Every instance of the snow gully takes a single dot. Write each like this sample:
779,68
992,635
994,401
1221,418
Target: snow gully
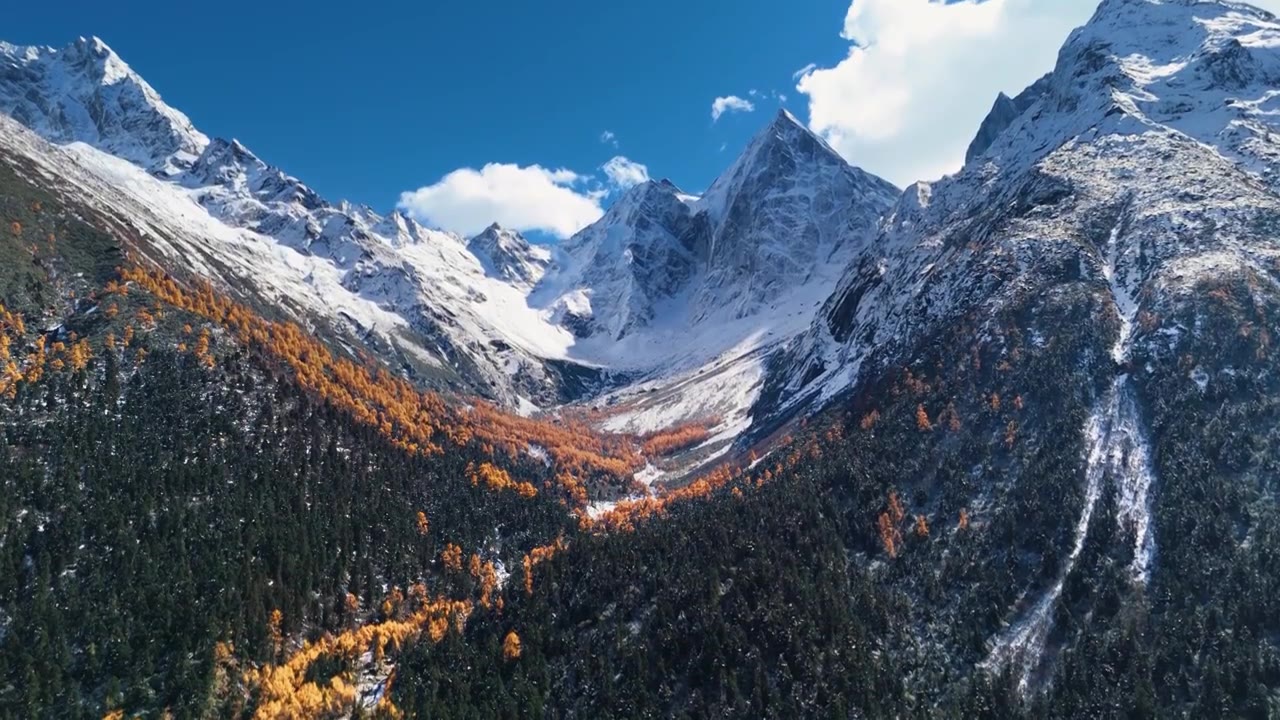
1118,449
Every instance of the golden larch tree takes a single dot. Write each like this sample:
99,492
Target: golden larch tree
511,646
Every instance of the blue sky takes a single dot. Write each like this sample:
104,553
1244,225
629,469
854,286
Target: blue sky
366,100
466,113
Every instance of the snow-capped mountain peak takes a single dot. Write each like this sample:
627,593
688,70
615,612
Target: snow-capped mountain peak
665,283
85,92
508,256
1131,163
783,146
1206,70
789,207
230,164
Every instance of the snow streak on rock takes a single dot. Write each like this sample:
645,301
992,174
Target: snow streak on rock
1126,304
1128,462
1117,449
1023,645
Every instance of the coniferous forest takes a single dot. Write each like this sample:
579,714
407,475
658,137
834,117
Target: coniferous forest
1047,487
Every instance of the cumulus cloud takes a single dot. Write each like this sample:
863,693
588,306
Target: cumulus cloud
609,138
624,173
731,103
524,198
922,74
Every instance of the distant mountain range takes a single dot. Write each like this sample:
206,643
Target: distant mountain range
1022,420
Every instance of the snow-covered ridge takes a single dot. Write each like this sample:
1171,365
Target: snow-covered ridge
665,285
1200,83
787,214
451,311
1141,170
86,93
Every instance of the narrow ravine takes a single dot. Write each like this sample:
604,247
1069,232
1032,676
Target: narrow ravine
1118,450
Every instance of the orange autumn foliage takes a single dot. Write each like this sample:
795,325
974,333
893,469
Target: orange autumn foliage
511,646
495,478
922,419
626,515
203,354
895,508
889,523
889,535
285,691
420,422
538,555
451,556
1011,434
922,527
682,437
487,575
950,418
274,629
79,356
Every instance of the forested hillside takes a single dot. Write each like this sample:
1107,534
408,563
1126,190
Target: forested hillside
1022,462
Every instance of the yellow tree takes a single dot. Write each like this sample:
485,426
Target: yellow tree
452,557
511,646
275,630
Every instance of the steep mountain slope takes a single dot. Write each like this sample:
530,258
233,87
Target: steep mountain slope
1048,469
1079,188
1037,476
386,284
1118,239
721,278
692,293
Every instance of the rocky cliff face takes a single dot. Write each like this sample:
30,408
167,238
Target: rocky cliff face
788,213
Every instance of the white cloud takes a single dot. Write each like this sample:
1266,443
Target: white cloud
731,103
804,71
624,173
921,75
523,198
608,138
